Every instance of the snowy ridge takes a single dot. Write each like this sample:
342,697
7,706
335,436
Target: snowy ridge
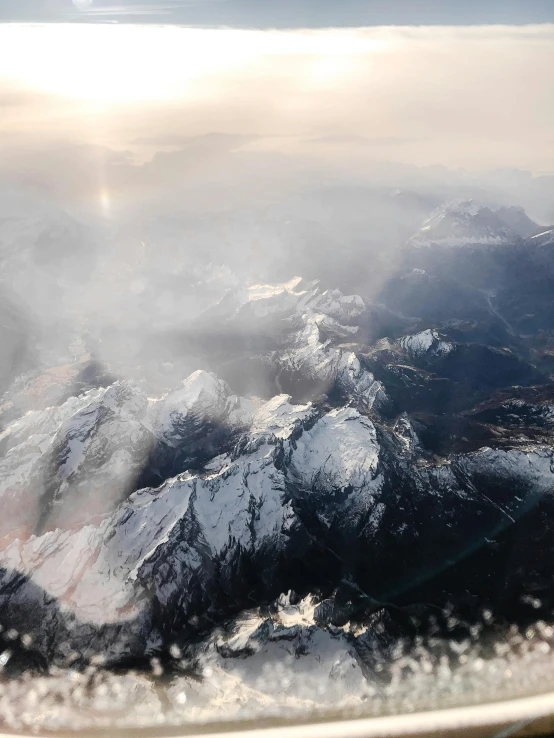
426,342
308,321
319,360
243,503
169,545
340,451
314,357
96,448
466,222
202,398
132,520
283,300
93,449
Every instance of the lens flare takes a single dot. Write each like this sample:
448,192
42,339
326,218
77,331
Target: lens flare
105,202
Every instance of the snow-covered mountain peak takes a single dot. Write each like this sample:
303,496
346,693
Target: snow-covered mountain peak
125,398
202,395
341,450
200,386
458,206
462,222
425,342
267,291
279,417
295,298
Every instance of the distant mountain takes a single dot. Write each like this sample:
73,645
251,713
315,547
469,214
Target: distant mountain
38,236
466,222
17,335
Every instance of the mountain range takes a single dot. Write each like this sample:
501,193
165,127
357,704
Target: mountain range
377,457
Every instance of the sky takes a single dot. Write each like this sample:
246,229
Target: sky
285,13
94,106
456,96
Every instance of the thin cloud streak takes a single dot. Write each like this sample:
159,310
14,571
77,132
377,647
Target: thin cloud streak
165,9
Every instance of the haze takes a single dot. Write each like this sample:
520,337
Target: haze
137,151
477,98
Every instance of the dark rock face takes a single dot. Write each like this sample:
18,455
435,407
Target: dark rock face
411,460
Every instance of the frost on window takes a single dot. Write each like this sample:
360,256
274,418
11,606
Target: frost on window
276,372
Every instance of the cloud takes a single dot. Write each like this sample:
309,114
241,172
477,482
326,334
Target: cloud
20,99
182,141
126,10
354,140
456,96
15,99
59,10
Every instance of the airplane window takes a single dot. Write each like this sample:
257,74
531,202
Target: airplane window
276,366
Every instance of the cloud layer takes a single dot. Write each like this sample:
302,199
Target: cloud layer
469,97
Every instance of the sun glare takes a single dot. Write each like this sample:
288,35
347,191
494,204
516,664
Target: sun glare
122,64
105,202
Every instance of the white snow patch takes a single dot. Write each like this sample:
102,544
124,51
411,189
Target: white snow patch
341,450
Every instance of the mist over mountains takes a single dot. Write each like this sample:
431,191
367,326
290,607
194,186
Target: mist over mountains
97,265
345,395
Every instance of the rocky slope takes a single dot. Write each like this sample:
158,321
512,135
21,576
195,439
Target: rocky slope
379,454
349,499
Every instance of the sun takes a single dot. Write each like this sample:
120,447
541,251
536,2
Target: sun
117,64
